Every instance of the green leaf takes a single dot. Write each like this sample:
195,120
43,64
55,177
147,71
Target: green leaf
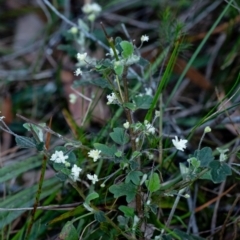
69,232
66,171
130,106
124,189
61,176
133,165
118,40
122,221
136,154
90,197
143,102
40,146
119,136
128,211
118,68
127,49
134,177
153,208
109,151
119,154
58,166
207,175
143,62
100,216
25,142
219,171
153,184
194,162
204,155
38,131
71,157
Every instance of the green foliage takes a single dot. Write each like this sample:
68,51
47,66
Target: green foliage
153,184
205,156
108,151
128,211
119,136
134,177
124,189
100,216
219,171
143,102
68,232
127,48
25,142
91,196
118,68
141,171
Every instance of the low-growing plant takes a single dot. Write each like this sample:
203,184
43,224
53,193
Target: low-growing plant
122,175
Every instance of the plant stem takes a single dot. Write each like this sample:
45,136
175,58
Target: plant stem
43,169
132,137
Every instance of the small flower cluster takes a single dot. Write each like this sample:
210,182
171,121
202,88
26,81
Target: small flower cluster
92,10
112,99
144,38
149,128
59,157
78,72
95,154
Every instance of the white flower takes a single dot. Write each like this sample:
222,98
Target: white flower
93,178
95,154
179,144
75,172
72,98
149,127
58,157
112,99
78,72
91,8
126,125
144,38
149,91
81,56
